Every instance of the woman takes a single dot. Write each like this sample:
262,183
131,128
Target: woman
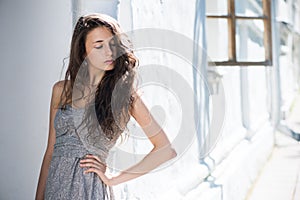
89,111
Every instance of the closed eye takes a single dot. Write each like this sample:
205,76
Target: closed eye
99,47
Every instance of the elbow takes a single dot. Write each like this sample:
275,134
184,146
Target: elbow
173,153
167,153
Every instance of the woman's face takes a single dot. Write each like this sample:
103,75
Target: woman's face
98,49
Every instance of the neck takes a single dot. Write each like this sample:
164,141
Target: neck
96,75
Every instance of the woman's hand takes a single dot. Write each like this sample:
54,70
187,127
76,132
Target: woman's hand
95,165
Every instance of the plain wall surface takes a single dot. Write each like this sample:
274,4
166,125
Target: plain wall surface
34,40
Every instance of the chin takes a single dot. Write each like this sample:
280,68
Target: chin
105,68
109,68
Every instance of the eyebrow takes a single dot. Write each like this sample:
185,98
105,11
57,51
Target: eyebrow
98,41
103,40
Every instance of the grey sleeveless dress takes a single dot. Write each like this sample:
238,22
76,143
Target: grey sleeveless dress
66,180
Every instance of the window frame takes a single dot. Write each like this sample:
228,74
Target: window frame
231,19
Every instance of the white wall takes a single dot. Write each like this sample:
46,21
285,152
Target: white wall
232,170
179,17
34,39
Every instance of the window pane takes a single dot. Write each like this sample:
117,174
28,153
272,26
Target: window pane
217,39
248,7
249,40
216,7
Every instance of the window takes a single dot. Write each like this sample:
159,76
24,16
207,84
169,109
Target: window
239,32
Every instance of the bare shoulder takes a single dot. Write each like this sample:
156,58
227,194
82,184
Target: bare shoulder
60,84
138,107
57,90
136,99
135,95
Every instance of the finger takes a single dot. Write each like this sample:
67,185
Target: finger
92,161
87,165
100,174
95,165
95,157
92,165
95,170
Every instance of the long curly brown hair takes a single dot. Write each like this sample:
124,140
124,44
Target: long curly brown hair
108,112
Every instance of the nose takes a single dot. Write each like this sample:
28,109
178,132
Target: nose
108,50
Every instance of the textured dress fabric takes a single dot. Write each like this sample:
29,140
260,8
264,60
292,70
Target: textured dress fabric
66,180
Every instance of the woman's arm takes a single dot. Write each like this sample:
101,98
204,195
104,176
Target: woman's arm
161,152
56,92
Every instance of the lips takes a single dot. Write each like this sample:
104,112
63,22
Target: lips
109,61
